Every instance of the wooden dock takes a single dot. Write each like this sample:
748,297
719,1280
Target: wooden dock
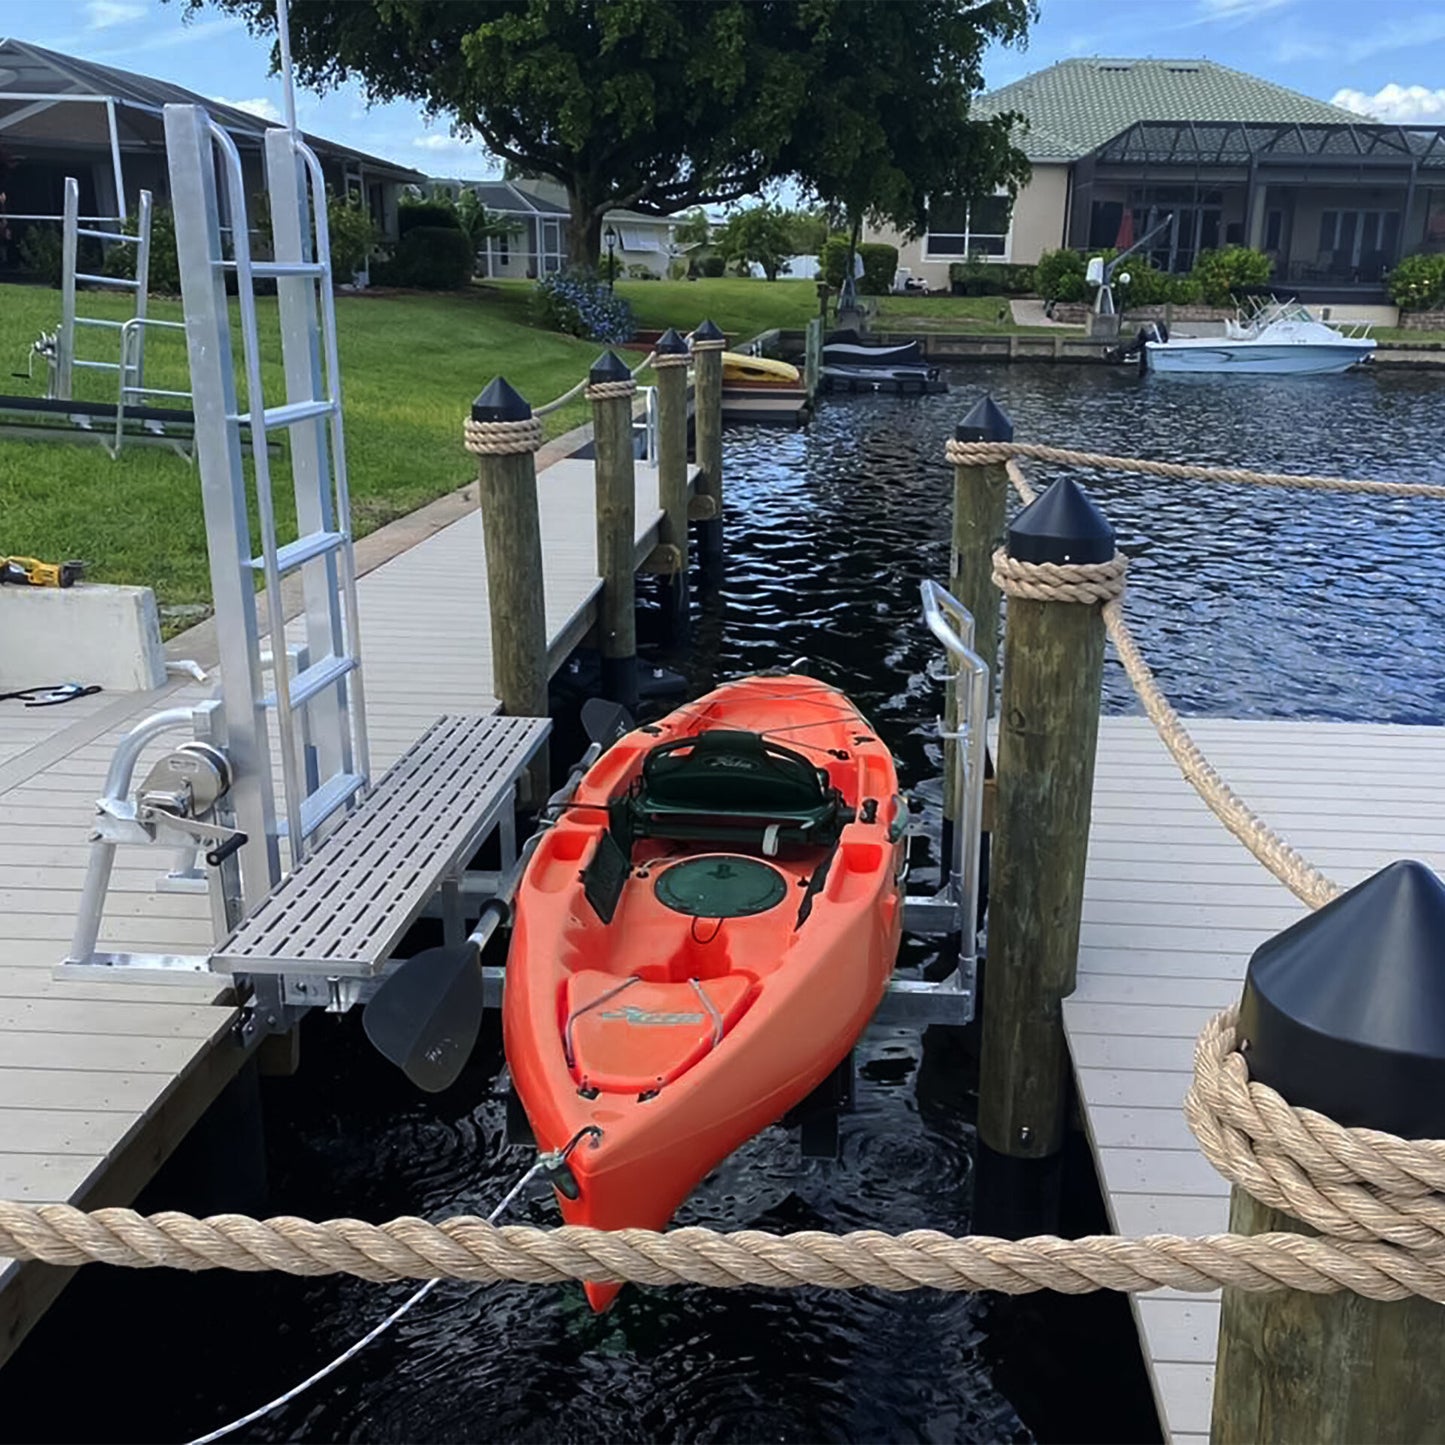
1173,908
100,1081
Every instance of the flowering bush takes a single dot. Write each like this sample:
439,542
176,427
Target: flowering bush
581,305
1418,282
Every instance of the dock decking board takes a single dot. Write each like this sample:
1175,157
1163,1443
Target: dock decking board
99,1081
1173,908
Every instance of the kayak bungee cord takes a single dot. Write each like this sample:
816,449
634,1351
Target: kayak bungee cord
545,1163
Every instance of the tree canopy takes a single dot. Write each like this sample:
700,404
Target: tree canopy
659,105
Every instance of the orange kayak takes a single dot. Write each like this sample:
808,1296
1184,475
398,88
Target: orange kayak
700,940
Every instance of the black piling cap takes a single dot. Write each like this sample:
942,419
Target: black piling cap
1063,525
609,367
501,402
986,421
708,332
670,344
1344,1012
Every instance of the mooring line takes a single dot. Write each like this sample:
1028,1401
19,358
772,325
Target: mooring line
543,1163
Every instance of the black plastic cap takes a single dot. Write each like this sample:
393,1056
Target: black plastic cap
1063,525
609,367
986,421
708,332
1344,1012
501,401
670,344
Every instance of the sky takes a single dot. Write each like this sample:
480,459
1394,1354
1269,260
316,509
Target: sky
1384,58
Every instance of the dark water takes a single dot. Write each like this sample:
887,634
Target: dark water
1249,602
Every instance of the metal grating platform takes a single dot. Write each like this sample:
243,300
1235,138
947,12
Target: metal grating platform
347,906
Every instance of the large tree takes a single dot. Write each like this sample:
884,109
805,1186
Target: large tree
663,104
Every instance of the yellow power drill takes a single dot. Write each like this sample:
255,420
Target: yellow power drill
30,572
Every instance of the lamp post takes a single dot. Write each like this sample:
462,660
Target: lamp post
609,236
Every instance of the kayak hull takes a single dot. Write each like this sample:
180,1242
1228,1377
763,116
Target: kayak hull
675,1035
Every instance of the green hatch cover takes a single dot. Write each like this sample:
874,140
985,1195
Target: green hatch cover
721,886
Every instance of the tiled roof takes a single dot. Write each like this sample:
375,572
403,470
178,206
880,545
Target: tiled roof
1076,105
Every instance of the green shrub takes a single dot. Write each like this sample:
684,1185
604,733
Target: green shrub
1418,282
1148,286
353,236
880,265
636,271
40,252
165,267
1221,273
430,258
987,278
435,213
1059,276
713,266
833,259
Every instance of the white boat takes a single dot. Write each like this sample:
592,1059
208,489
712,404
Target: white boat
1281,338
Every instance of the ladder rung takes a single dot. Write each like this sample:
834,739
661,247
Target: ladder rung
98,365
153,391
104,235
334,793
120,281
302,550
281,269
289,415
98,321
316,678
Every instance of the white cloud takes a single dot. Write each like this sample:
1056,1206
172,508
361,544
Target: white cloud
266,109
102,14
444,144
1399,104
1238,9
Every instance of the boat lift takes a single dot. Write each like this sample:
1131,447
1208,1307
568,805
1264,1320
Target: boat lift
314,870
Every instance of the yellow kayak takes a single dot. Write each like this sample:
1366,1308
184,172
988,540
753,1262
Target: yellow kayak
737,367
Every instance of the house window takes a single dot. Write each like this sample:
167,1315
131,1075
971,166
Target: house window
977,227
504,248
1273,230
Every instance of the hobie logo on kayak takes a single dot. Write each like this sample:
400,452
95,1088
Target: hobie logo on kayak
649,1019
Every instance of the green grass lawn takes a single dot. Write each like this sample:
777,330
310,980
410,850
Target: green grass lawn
410,367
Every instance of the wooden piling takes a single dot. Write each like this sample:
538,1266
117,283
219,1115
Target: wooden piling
707,347
610,389
512,535
673,496
1341,1014
1048,732
980,511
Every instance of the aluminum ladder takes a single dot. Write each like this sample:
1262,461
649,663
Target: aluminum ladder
130,368
315,696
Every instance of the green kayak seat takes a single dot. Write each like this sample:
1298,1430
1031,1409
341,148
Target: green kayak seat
735,787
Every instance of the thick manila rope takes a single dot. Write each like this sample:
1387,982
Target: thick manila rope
978,454
1092,582
1381,1198
502,438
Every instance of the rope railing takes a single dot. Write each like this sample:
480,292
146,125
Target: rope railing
1378,1200
572,393
1037,581
976,454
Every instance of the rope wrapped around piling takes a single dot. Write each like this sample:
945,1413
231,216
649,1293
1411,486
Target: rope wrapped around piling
1085,582
661,360
980,454
609,390
1380,1200
502,438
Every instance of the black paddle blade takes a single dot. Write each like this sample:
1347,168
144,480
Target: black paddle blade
604,722
425,1018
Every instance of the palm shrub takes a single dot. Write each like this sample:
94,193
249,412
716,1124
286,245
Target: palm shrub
1221,273
1418,282
1059,276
